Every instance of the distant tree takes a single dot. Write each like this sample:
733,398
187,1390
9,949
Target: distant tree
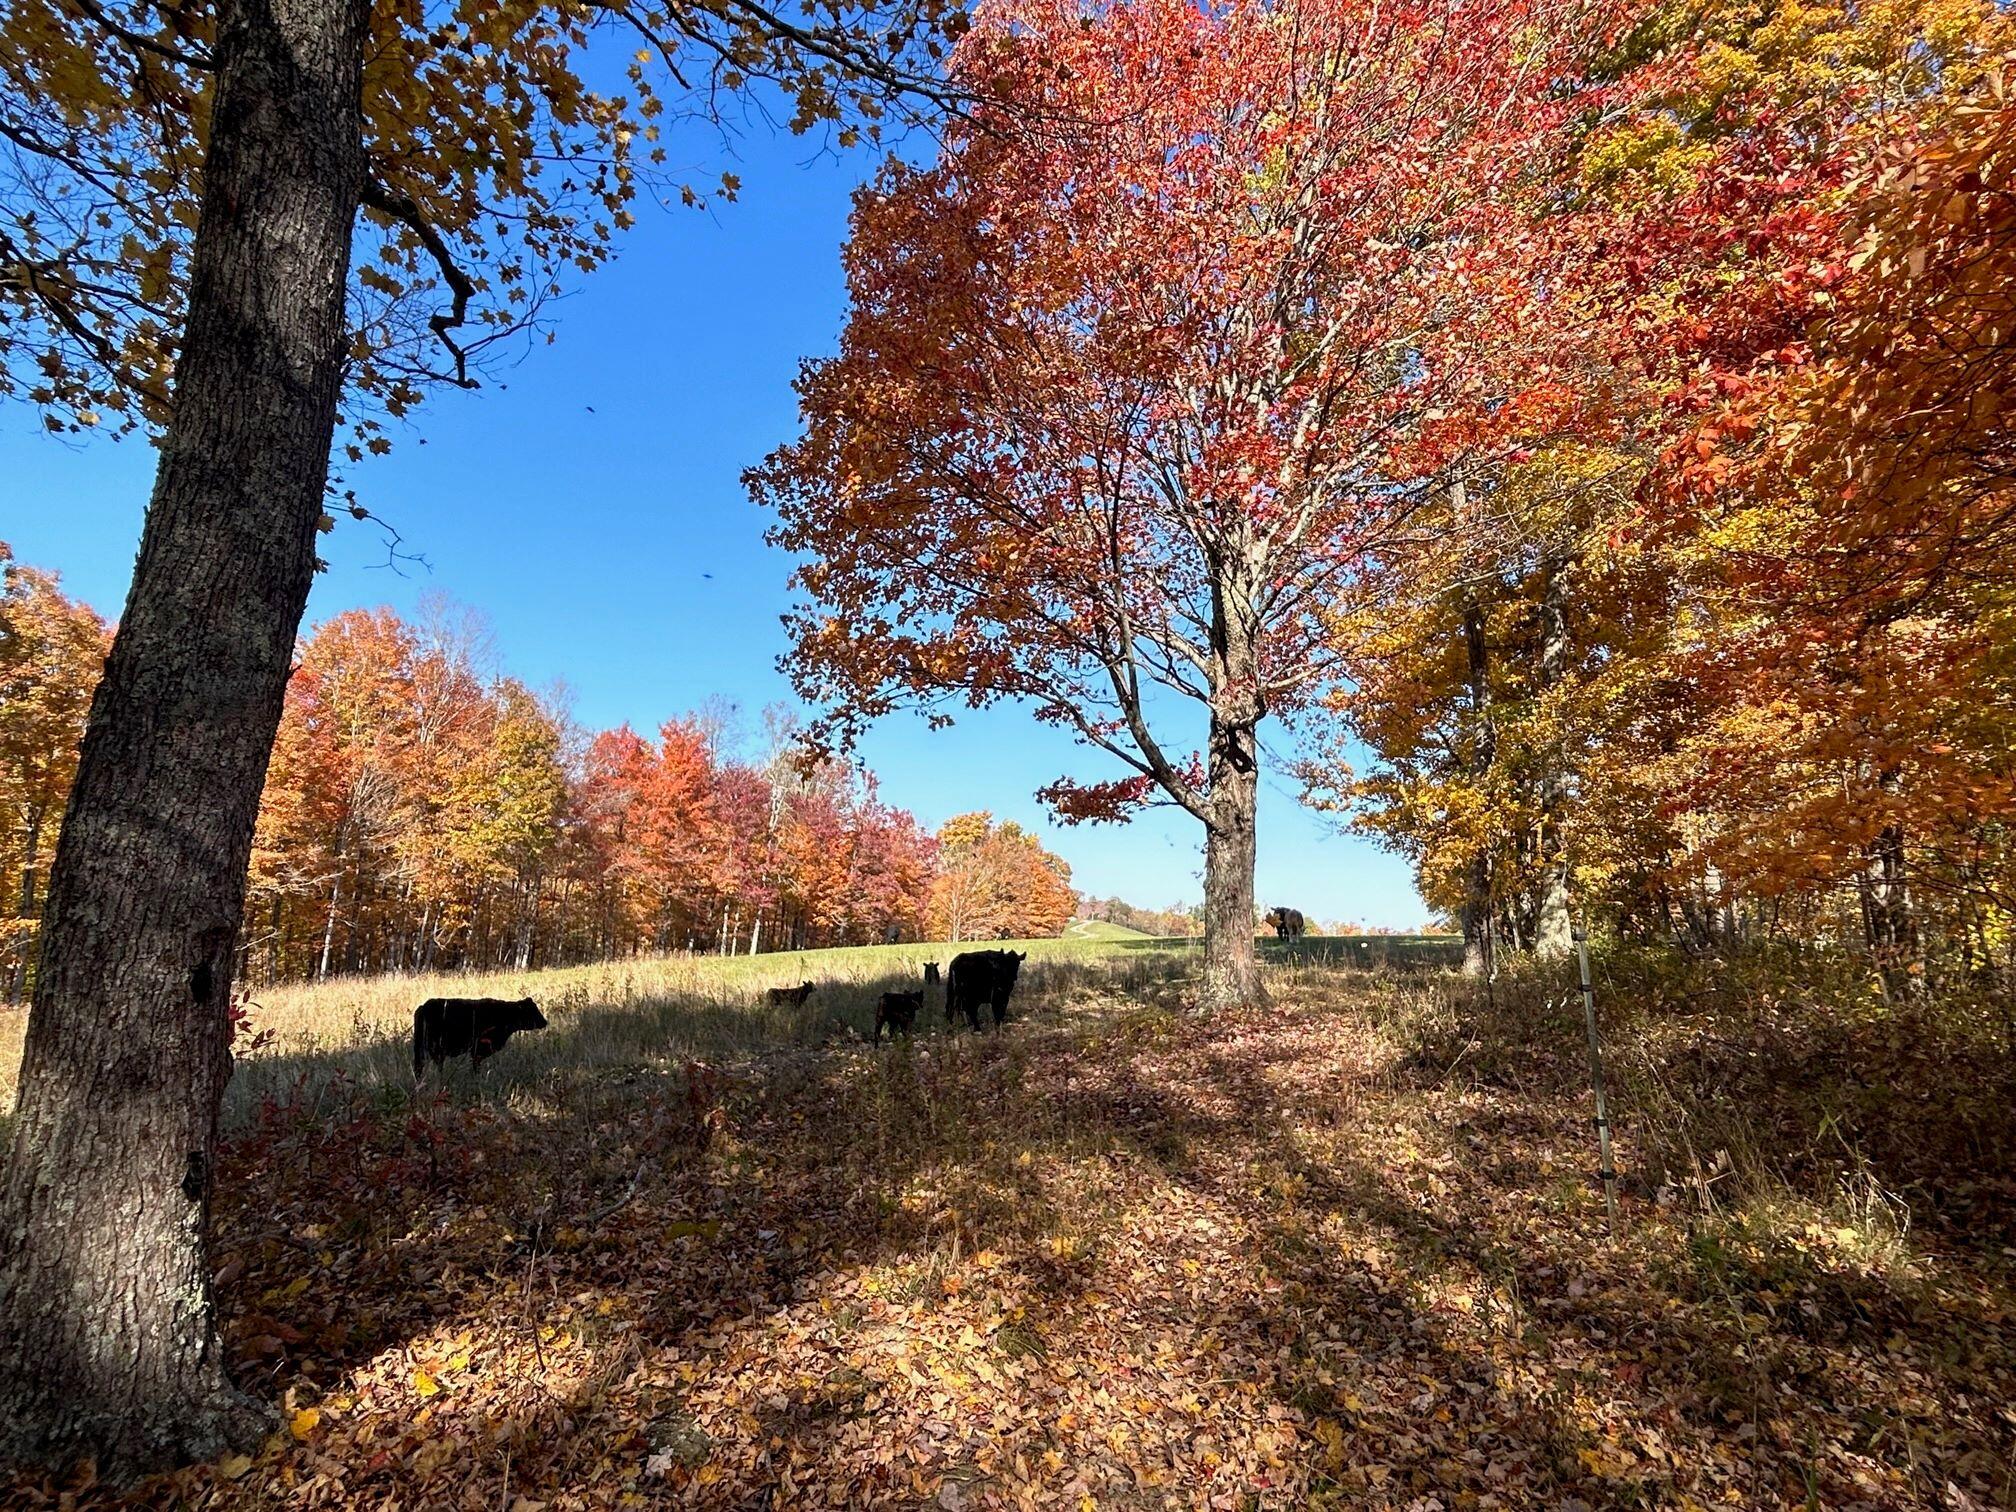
997,882
52,650
1164,922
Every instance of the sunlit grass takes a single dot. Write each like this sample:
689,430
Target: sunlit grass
357,1031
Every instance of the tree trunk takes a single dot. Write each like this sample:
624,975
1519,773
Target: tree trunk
335,907
1232,768
108,1341
1889,918
1476,912
528,922
1231,968
1553,933
17,981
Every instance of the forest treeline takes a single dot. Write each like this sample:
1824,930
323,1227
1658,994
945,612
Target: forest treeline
1725,651
423,811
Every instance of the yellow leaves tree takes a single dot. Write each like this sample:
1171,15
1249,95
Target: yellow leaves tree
181,191
494,173
996,882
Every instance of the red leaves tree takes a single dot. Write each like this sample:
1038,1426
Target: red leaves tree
1138,378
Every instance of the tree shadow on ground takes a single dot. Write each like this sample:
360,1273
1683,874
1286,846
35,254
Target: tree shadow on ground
1114,1252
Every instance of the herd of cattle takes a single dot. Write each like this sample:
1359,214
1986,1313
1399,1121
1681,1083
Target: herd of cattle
978,979
480,1027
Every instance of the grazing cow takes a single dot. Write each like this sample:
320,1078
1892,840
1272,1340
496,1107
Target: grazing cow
1288,923
777,997
981,976
899,1011
931,977
477,1027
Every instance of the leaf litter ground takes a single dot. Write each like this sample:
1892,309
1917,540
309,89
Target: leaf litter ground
1116,1257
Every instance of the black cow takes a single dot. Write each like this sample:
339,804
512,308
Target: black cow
981,976
1288,923
898,1010
777,997
931,977
477,1027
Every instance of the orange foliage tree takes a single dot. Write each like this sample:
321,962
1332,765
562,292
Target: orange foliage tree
1136,381
1723,653
997,882
51,650
1860,492
422,812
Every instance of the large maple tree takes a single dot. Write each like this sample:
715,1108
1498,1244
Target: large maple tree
1136,380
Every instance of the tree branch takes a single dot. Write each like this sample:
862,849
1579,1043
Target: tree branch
401,209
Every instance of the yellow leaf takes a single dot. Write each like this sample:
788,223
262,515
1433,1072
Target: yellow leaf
303,1422
425,1384
233,1465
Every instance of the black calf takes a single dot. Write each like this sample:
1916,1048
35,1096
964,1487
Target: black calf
898,1010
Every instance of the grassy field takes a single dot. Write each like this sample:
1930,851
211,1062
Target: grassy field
1100,929
1340,1252
683,1249
649,1011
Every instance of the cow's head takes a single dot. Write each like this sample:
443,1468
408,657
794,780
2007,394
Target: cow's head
529,1016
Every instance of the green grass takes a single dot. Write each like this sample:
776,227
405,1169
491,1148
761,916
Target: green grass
1100,929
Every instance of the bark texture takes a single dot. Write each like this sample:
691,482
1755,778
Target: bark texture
1478,915
1553,934
108,1344
1231,969
1232,766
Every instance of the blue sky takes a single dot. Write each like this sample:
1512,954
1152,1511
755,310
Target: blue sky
591,508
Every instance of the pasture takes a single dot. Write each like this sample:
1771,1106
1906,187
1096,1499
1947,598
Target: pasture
356,1032
1341,1252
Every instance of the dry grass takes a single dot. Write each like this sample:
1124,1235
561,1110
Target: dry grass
1340,1253
356,1032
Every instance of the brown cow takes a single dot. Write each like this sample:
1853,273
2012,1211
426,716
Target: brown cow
778,997
1288,923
